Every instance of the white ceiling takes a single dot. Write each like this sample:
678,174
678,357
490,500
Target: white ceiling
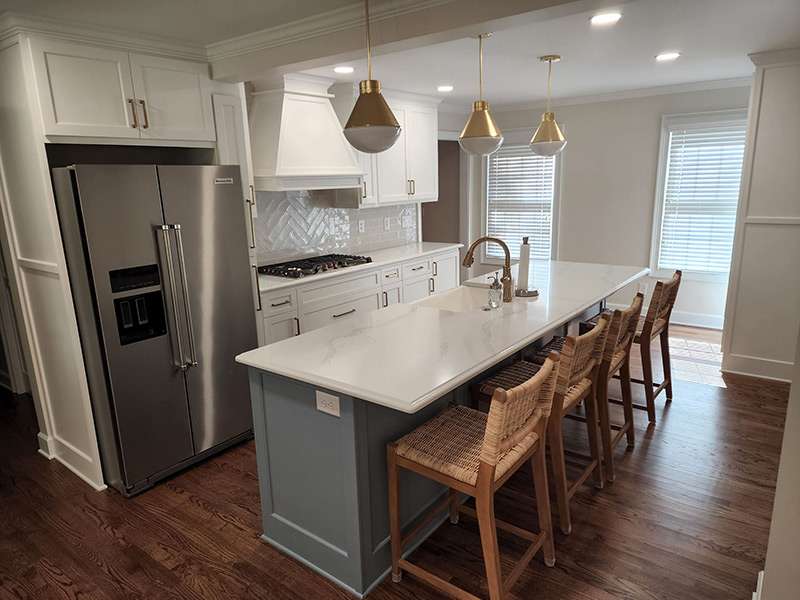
714,37
200,22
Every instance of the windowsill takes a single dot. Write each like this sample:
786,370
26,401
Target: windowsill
690,275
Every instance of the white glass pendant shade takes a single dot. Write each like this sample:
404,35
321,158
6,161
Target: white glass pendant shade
372,127
548,139
481,135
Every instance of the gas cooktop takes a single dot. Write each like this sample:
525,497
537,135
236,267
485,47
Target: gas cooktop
313,265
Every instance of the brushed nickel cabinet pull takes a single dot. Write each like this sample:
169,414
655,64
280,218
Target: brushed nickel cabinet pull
284,303
297,323
146,124
364,184
385,299
418,268
413,187
347,312
432,286
435,266
135,124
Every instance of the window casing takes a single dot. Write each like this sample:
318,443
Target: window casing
697,193
521,199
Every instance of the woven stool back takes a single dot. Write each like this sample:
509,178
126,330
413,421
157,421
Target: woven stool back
622,328
581,355
514,413
661,303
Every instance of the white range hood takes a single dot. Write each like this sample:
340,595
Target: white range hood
297,140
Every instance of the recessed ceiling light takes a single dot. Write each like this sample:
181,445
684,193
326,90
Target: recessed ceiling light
344,70
667,56
609,18
444,88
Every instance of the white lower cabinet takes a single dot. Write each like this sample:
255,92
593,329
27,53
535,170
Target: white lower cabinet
342,311
417,289
281,327
392,294
444,270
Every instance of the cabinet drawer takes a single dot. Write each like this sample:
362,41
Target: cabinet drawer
280,327
391,295
340,312
416,268
325,295
279,301
391,275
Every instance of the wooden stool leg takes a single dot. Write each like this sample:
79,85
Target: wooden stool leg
453,506
667,362
394,512
484,505
594,439
543,503
605,427
627,401
647,368
555,440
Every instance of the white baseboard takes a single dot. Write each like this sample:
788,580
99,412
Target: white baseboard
69,456
757,593
754,366
45,446
691,319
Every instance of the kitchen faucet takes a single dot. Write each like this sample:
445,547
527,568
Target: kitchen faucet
469,259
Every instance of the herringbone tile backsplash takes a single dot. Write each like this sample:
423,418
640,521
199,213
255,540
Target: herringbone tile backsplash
295,224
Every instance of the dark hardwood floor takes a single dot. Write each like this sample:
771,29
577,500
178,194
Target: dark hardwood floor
687,518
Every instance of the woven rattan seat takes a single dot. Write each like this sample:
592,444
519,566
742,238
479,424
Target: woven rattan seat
451,444
519,372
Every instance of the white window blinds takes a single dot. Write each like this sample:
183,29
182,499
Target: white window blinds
520,193
700,195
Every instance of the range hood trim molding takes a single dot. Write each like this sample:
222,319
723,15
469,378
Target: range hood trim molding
294,130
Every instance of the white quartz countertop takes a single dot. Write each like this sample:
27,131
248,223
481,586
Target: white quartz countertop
386,256
408,355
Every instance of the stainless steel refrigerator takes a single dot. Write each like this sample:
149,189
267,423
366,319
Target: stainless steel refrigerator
162,286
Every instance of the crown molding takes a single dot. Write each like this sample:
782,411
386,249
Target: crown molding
14,25
340,19
788,56
661,90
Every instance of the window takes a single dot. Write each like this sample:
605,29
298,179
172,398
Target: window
520,193
698,191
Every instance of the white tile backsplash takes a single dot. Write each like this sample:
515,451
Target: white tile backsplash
295,224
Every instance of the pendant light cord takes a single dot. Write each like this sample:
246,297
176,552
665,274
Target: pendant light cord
549,75
480,67
369,41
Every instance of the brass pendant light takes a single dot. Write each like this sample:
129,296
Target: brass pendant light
372,127
481,135
548,139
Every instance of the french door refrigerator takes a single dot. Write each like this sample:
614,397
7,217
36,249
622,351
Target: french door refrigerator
162,285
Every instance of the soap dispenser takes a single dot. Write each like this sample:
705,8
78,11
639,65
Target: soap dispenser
495,293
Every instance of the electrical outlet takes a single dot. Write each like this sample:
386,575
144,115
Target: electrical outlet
408,221
328,403
362,226
387,223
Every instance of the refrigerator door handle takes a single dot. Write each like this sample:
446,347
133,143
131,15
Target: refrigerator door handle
186,302
175,334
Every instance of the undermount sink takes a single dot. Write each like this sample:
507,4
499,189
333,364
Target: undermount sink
460,299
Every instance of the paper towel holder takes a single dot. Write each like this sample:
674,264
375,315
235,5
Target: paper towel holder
525,292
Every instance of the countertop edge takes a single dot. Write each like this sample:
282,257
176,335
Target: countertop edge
358,268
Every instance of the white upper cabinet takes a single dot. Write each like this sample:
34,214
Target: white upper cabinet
369,185
391,164
422,153
91,91
84,90
174,98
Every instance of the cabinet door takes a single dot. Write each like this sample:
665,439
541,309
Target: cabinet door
391,294
175,98
422,152
84,90
391,164
233,148
280,327
445,272
342,311
369,186
416,290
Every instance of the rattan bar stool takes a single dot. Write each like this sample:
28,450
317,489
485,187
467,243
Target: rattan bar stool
655,324
475,453
577,381
616,361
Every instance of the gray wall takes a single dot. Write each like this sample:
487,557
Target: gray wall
294,224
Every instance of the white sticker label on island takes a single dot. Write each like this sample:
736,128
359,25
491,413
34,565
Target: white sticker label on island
328,403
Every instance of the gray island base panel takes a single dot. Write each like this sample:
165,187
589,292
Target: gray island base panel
323,478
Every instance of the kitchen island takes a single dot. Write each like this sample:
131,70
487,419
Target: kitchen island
326,403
